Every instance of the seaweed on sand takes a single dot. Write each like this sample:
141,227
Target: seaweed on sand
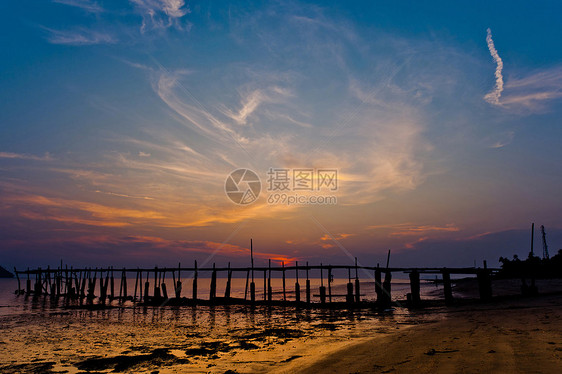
158,357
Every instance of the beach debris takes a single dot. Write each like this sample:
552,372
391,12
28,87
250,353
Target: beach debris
431,352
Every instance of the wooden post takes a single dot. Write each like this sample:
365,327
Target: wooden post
174,284
357,285
307,285
252,285
37,287
82,287
146,287
213,294
194,291
121,287
228,283
284,288
386,297
103,287
140,285
163,285
297,286
19,291
178,284
264,285
322,288
48,281
329,283
253,292
415,287
112,285
66,282
269,289
136,285
90,295
58,282
28,284
447,286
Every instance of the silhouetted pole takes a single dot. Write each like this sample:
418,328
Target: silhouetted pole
213,294
269,289
307,285
532,238
146,287
156,284
140,285
322,288
297,286
329,283
112,285
163,285
28,284
18,277
228,282
136,286
284,288
264,285
357,286
415,288
103,287
194,290
178,284
252,285
82,286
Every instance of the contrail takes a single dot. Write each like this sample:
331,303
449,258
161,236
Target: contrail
493,97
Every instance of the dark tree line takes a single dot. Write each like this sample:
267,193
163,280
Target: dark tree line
532,266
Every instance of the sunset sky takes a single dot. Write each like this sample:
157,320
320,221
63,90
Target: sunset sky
120,122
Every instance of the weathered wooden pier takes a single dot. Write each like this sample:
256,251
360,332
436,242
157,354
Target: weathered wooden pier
102,285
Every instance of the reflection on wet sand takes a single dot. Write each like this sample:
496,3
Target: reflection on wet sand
178,339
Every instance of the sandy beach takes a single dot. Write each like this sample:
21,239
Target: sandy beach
519,336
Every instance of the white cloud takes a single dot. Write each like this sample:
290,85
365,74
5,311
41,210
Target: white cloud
158,14
493,97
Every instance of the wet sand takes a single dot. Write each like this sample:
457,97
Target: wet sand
518,336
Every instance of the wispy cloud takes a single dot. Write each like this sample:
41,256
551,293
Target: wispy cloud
500,140
25,156
87,5
79,36
409,229
159,14
493,97
532,93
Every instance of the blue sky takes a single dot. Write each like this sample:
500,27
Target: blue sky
121,120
